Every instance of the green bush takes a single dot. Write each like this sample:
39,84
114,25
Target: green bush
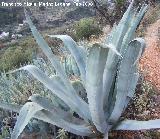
17,54
87,27
13,57
22,52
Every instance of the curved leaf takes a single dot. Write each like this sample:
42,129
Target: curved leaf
131,92
59,69
83,51
25,115
138,125
120,38
47,50
94,85
115,39
10,107
76,53
79,128
58,89
56,100
134,22
53,85
48,105
127,72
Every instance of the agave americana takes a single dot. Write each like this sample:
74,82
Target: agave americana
108,76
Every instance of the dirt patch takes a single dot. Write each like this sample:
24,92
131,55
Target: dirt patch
150,61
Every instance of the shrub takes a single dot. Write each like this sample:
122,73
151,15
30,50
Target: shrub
5,133
16,54
87,27
150,17
13,57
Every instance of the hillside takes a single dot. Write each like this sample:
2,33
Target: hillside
45,16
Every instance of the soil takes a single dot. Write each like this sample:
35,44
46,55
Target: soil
150,61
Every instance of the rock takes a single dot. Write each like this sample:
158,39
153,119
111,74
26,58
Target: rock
157,99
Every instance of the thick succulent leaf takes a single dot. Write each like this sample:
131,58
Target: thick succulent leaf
79,128
58,89
136,19
83,51
56,100
73,48
127,72
94,84
135,78
117,34
48,105
138,125
54,85
26,113
109,107
84,111
56,78
53,118
115,39
131,19
10,107
47,50
131,92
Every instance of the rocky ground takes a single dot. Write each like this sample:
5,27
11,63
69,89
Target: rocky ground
150,61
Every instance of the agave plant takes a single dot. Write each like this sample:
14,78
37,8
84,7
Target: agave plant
108,75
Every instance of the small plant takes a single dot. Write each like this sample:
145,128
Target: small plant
5,133
14,57
147,87
108,73
87,27
62,134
